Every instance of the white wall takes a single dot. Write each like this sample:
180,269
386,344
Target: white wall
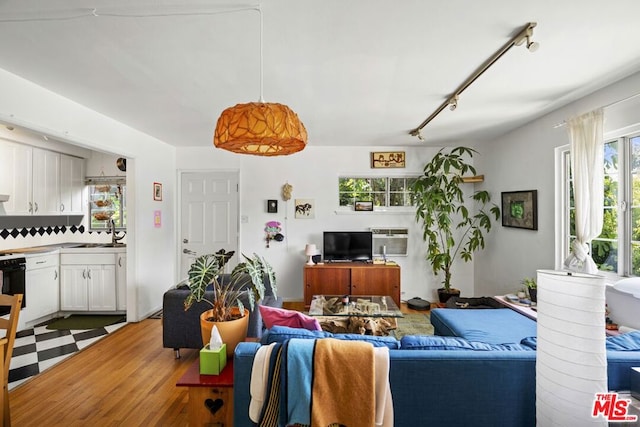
150,251
524,160
314,173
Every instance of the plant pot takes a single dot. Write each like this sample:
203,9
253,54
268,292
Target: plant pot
231,331
533,294
444,295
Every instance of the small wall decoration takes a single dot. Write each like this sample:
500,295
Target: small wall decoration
157,191
273,232
305,208
387,159
363,205
157,219
520,209
272,206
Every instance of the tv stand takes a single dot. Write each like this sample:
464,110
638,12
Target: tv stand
351,278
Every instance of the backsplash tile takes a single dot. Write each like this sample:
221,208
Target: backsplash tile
32,231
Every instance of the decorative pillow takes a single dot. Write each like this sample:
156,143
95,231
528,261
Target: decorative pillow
436,342
273,316
624,342
283,333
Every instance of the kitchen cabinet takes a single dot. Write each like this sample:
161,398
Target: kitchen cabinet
88,282
71,185
40,182
16,177
41,287
351,279
121,279
46,182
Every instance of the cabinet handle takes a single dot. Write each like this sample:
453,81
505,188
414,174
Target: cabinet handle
36,206
84,274
61,207
89,273
55,274
30,207
119,261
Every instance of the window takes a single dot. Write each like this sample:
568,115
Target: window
617,249
382,191
107,201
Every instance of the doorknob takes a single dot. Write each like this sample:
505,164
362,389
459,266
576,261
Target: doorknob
188,252
185,240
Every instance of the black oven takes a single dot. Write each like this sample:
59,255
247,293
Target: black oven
12,279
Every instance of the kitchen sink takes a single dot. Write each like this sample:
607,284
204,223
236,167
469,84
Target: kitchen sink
100,245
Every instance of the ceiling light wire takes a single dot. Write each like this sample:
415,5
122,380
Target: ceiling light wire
452,100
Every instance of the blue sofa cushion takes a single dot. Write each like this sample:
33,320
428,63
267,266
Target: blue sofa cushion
531,342
497,326
428,342
624,342
283,333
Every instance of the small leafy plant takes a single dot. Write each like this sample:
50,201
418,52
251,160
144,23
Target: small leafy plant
247,278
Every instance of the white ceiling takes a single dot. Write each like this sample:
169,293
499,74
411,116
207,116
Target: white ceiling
357,72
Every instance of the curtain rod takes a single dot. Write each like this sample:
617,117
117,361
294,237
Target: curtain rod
612,104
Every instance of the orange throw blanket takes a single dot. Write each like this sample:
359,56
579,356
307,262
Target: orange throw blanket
343,389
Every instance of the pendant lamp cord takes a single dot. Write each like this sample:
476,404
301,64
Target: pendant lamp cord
259,9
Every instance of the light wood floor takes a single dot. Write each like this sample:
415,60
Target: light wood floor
125,379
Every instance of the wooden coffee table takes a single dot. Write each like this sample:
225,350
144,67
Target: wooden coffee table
210,396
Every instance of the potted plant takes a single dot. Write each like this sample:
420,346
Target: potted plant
246,282
531,287
451,227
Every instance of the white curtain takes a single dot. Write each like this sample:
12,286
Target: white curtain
571,360
587,160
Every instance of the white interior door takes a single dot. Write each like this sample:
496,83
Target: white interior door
209,216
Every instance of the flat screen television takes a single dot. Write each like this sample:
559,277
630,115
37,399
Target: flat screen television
341,246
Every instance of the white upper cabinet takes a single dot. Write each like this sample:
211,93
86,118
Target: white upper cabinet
46,182
16,177
40,182
71,185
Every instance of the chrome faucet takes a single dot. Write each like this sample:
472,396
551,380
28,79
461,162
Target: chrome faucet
115,238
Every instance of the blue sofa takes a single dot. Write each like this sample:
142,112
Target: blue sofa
451,380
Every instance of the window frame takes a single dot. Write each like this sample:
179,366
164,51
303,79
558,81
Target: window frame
387,193
623,205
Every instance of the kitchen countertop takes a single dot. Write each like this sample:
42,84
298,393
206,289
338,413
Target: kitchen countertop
65,247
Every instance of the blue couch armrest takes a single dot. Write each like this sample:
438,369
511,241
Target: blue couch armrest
242,365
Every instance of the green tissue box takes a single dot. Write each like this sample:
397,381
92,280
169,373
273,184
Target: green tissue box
212,362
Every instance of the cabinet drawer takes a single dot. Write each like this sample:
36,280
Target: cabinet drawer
42,261
73,259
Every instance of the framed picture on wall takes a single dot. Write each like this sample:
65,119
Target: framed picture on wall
157,191
520,209
272,206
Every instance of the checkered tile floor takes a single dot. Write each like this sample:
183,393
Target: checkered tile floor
40,348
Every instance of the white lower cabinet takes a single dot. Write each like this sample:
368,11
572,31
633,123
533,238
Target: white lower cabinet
88,282
121,279
42,284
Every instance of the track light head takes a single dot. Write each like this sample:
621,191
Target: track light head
453,102
532,46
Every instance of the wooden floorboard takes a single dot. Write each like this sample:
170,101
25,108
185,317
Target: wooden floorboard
125,379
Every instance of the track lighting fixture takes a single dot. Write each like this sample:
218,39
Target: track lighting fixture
453,102
524,35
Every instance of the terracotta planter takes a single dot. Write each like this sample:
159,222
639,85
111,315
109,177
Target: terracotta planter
232,331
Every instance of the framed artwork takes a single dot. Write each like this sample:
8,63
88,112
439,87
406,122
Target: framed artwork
305,209
363,205
157,191
272,206
520,209
387,159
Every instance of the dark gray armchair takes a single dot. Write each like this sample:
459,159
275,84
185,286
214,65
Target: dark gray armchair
181,329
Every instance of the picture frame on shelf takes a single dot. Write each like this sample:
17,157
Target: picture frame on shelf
520,209
363,206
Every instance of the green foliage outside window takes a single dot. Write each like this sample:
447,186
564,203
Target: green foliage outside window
383,192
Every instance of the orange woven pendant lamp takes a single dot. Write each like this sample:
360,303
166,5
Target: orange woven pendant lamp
260,128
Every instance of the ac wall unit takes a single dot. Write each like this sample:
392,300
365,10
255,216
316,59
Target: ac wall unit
390,241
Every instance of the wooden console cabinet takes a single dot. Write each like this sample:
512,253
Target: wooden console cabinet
351,279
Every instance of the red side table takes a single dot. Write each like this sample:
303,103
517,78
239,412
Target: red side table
210,396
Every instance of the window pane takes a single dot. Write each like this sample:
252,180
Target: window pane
396,184
396,199
635,258
379,199
107,202
379,184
